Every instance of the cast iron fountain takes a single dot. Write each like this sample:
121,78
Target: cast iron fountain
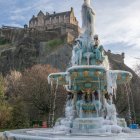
91,85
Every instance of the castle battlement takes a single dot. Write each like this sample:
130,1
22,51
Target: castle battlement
116,57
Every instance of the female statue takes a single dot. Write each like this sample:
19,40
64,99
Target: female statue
88,18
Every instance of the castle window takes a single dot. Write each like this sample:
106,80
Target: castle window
47,22
61,18
50,19
54,20
35,22
57,19
64,18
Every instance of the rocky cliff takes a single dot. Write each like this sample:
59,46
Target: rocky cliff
22,48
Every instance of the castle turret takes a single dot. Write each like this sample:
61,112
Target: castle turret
25,26
40,14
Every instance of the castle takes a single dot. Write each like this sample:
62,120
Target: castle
46,27
65,22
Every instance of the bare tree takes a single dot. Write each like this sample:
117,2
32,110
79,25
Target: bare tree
32,89
5,109
137,69
12,82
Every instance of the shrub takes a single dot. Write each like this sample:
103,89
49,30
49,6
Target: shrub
55,42
19,117
5,109
3,41
5,115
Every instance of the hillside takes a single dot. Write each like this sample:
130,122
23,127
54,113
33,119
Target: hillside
57,52
134,85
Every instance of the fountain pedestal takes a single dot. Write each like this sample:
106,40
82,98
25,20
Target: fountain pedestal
87,125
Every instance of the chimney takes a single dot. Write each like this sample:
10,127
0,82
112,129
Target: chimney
47,13
123,55
71,9
25,26
109,51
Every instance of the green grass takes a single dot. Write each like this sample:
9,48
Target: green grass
3,41
53,44
138,120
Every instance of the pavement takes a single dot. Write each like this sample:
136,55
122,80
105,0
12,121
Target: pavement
1,134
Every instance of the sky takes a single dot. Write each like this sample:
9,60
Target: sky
117,21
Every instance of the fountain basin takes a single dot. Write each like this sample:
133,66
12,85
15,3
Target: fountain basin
50,134
85,77
87,125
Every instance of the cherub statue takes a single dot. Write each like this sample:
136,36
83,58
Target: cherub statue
98,49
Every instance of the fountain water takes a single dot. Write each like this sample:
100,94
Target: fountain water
89,112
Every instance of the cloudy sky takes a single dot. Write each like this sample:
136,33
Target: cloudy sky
117,21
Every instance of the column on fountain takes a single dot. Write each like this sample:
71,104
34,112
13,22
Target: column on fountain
88,105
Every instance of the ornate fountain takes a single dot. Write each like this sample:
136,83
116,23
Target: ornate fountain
91,85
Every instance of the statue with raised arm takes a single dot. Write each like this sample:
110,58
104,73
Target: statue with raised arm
88,18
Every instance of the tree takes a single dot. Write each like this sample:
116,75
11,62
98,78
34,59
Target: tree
35,87
32,91
1,88
12,83
19,117
5,109
36,92
5,115
137,69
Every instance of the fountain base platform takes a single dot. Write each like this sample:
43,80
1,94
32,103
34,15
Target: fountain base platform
50,134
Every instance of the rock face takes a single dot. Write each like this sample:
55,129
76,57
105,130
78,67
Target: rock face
20,57
21,48
30,52
59,58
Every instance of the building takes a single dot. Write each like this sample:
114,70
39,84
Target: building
64,22
45,27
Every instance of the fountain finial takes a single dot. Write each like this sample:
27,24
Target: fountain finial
87,2
88,18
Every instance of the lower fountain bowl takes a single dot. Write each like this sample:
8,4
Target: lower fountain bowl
88,125
50,134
